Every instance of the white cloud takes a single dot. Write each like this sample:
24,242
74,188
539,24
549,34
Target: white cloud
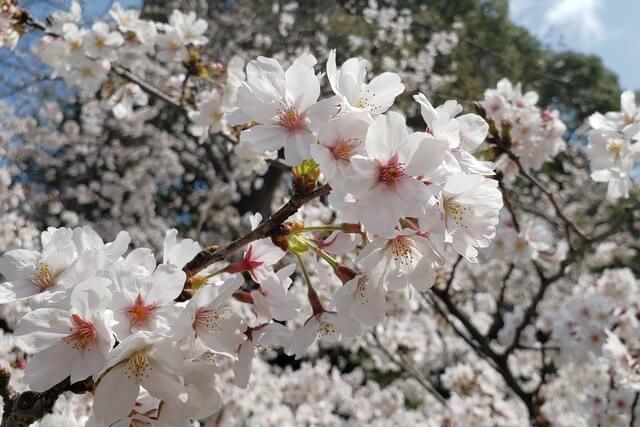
579,16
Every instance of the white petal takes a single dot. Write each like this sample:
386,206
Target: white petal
303,87
383,90
168,282
49,366
115,395
242,367
261,138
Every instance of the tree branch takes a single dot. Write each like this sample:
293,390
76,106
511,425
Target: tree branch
413,372
23,409
267,228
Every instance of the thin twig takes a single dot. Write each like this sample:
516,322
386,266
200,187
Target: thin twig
412,371
633,409
556,206
214,254
452,273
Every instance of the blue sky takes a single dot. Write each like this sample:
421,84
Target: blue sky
607,28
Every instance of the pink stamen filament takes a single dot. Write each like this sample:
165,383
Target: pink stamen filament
344,149
292,120
392,172
83,333
139,313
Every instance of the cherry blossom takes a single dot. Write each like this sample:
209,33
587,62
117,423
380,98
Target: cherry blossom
284,105
349,84
142,359
74,343
385,182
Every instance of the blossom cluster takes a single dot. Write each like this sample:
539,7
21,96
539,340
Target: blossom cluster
536,136
411,192
613,146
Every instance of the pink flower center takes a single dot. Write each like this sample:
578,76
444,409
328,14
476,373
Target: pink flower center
344,149
292,120
139,313
391,172
247,263
82,333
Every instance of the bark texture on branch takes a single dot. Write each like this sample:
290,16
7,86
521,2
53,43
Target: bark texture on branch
213,254
25,408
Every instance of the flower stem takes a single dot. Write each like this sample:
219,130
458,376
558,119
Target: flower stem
314,299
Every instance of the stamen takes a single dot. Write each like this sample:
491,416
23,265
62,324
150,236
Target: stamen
82,333
456,212
44,278
344,149
402,250
614,148
326,328
138,366
361,290
207,319
291,120
139,313
392,171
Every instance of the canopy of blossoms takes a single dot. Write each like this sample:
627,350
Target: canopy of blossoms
442,252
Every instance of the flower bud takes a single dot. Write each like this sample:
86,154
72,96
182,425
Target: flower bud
305,176
344,273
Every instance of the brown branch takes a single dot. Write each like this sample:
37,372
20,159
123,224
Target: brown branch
556,206
412,371
123,72
452,274
507,201
498,322
267,228
500,361
23,409
633,409
530,312
626,215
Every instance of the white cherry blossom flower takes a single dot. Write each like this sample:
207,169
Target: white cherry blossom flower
359,300
612,158
338,141
320,325
170,45
59,18
125,98
463,135
190,27
142,359
74,343
355,94
471,205
209,115
206,317
284,106
68,257
145,303
409,257
270,334
88,74
386,182
272,299
100,42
